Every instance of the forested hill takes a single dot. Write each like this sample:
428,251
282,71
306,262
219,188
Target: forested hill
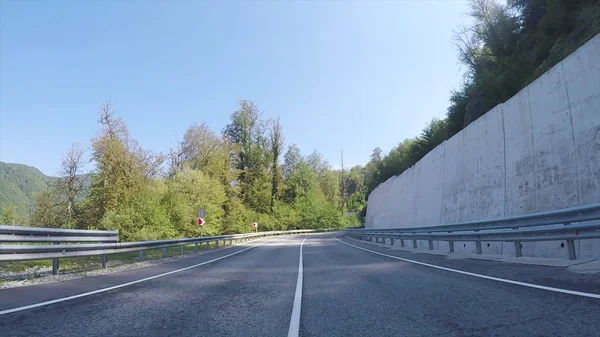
18,186
504,50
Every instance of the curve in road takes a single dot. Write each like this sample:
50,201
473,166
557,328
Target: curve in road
310,285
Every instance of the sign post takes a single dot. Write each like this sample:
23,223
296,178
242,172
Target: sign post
255,225
200,224
201,215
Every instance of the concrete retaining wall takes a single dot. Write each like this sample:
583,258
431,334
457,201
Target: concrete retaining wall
538,151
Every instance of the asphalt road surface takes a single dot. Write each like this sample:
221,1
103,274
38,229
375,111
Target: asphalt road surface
254,289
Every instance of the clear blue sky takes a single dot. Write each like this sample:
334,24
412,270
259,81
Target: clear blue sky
341,74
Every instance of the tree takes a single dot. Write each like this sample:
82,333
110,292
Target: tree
246,131
355,180
189,191
291,160
123,168
8,216
70,184
376,156
202,149
48,210
276,137
343,182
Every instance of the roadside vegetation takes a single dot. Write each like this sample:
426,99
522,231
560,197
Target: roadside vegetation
246,173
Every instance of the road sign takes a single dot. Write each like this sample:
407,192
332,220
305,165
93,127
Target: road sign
200,222
201,213
255,225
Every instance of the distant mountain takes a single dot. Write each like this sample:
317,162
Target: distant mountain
19,185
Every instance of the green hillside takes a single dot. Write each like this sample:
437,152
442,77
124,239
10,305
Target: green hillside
18,186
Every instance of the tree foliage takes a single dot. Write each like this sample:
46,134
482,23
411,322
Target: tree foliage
238,177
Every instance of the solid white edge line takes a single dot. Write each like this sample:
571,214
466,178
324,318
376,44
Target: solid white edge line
524,284
58,300
294,330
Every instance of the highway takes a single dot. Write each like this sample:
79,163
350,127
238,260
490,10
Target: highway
310,285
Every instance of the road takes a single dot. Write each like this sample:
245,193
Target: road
251,290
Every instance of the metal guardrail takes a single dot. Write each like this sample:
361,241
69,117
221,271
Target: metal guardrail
105,243
567,224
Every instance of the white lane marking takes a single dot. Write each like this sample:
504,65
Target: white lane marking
58,300
294,330
524,284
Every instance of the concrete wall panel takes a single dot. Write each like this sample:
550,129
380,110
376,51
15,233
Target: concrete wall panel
588,249
452,167
429,187
490,168
538,151
520,166
553,145
582,76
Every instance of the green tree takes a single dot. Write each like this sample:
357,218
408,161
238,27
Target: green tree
189,191
123,168
202,149
49,210
8,216
276,142
246,131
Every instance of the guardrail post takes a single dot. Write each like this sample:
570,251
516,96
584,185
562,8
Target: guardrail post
181,249
451,245
216,243
391,241
478,245
518,249
415,244
402,243
164,252
141,255
430,244
55,263
104,258
571,248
